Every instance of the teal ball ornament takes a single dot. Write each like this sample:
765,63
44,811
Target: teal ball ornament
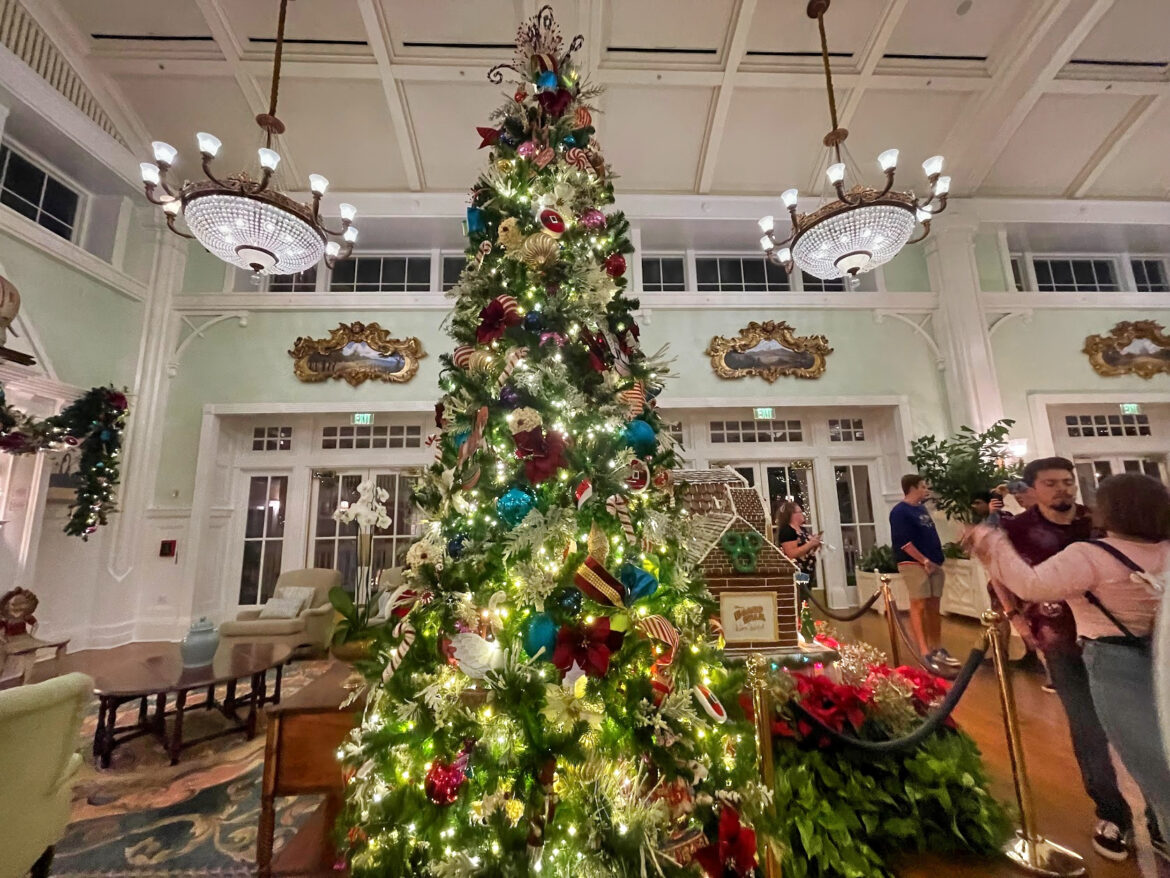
513,505
639,583
641,437
540,633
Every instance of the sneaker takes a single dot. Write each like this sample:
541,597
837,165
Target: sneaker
1110,842
944,657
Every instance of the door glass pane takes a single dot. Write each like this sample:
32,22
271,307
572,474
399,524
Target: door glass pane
277,488
250,575
272,552
257,506
749,473
324,525
1151,468
861,494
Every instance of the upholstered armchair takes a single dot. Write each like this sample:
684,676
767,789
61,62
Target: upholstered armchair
39,725
388,582
298,613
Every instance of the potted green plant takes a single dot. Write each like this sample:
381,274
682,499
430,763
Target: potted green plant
353,636
959,468
870,567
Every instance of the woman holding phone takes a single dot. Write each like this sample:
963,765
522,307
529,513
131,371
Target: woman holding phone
794,539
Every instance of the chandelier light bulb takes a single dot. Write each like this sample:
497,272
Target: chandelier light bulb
318,184
942,185
164,152
767,223
332,249
888,160
923,216
933,165
789,197
836,173
765,242
209,144
171,208
784,254
150,174
348,211
351,234
269,158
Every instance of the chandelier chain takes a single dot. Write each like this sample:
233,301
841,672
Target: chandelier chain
829,80
276,66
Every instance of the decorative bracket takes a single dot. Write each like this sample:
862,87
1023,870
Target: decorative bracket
197,332
920,327
1002,319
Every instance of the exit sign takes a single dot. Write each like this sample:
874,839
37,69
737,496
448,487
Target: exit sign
363,419
764,414
1131,408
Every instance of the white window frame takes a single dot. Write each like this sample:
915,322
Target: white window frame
795,278
1121,269
81,225
1131,278
435,284
687,266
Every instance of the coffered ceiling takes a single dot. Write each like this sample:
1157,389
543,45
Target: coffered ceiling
1053,98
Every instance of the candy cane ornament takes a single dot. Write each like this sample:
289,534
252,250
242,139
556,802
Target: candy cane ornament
511,361
617,507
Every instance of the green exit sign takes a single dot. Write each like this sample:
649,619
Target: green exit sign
764,414
1131,408
363,419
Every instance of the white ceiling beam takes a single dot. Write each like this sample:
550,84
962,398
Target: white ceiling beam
74,46
378,36
1135,87
594,30
1042,48
233,52
1141,111
717,122
871,54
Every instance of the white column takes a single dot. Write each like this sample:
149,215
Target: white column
960,327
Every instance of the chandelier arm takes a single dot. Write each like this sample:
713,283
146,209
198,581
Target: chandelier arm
319,223
343,254
210,176
257,188
150,187
162,181
795,222
925,232
171,226
889,183
844,196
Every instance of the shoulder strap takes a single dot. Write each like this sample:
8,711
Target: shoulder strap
1096,601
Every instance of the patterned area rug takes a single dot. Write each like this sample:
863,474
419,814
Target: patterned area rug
143,816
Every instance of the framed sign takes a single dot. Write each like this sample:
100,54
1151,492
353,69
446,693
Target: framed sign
748,617
770,350
356,352
1138,348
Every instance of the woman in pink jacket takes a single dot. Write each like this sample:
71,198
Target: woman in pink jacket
1114,588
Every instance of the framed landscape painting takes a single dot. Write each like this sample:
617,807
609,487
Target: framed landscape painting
356,352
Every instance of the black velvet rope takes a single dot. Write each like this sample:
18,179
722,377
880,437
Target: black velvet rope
853,616
929,725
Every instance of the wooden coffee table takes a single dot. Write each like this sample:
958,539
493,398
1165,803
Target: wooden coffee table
160,674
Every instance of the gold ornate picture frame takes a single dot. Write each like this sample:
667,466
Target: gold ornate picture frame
1141,347
356,352
770,350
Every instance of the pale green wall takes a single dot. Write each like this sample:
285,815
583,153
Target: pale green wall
1045,356
989,264
907,272
204,272
89,331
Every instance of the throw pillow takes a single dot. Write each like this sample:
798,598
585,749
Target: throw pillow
280,608
302,594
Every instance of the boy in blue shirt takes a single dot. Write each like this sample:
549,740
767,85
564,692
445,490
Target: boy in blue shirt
918,551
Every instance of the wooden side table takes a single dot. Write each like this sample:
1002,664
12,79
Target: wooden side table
300,758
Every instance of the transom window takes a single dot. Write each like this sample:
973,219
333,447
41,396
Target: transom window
756,431
846,430
32,191
1075,275
371,436
301,282
272,439
1150,275
663,274
812,284
452,267
1091,426
735,274
374,274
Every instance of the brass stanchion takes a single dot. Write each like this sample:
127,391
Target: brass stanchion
1029,849
757,673
891,620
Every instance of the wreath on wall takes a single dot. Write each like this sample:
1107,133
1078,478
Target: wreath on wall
94,424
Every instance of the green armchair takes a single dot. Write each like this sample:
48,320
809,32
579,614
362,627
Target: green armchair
39,727
311,627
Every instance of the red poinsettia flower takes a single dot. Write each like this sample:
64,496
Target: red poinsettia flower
493,320
928,689
555,102
541,467
600,355
834,705
734,852
16,442
589,647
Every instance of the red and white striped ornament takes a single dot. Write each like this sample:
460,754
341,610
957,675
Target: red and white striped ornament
462,355
617,507
511,307
406,631
634,399
511,361
578,158
660,628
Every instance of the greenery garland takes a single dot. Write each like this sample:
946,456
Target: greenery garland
94,423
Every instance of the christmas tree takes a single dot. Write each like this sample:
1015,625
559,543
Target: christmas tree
550,699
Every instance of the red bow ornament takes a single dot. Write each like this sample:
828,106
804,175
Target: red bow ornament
588,647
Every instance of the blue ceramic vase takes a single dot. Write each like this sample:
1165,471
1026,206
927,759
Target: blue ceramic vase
199,646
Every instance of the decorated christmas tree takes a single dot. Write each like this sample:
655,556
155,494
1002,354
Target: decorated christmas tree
550,696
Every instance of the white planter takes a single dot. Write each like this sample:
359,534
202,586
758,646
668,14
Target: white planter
965,593
869,582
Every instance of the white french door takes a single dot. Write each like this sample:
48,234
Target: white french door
855,508
1091,470
332,544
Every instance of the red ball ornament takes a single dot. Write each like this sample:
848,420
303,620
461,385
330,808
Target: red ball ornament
553,222
443,781
519,96
615,265
593,219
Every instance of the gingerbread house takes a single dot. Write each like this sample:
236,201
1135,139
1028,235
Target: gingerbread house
745,571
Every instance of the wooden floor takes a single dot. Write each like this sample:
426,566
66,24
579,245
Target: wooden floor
1065,813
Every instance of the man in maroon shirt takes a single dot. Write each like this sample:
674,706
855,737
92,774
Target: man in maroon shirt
1037,534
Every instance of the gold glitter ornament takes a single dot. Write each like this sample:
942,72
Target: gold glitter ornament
540,250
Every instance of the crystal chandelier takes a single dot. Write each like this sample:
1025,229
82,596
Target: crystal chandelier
249,223
863,227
